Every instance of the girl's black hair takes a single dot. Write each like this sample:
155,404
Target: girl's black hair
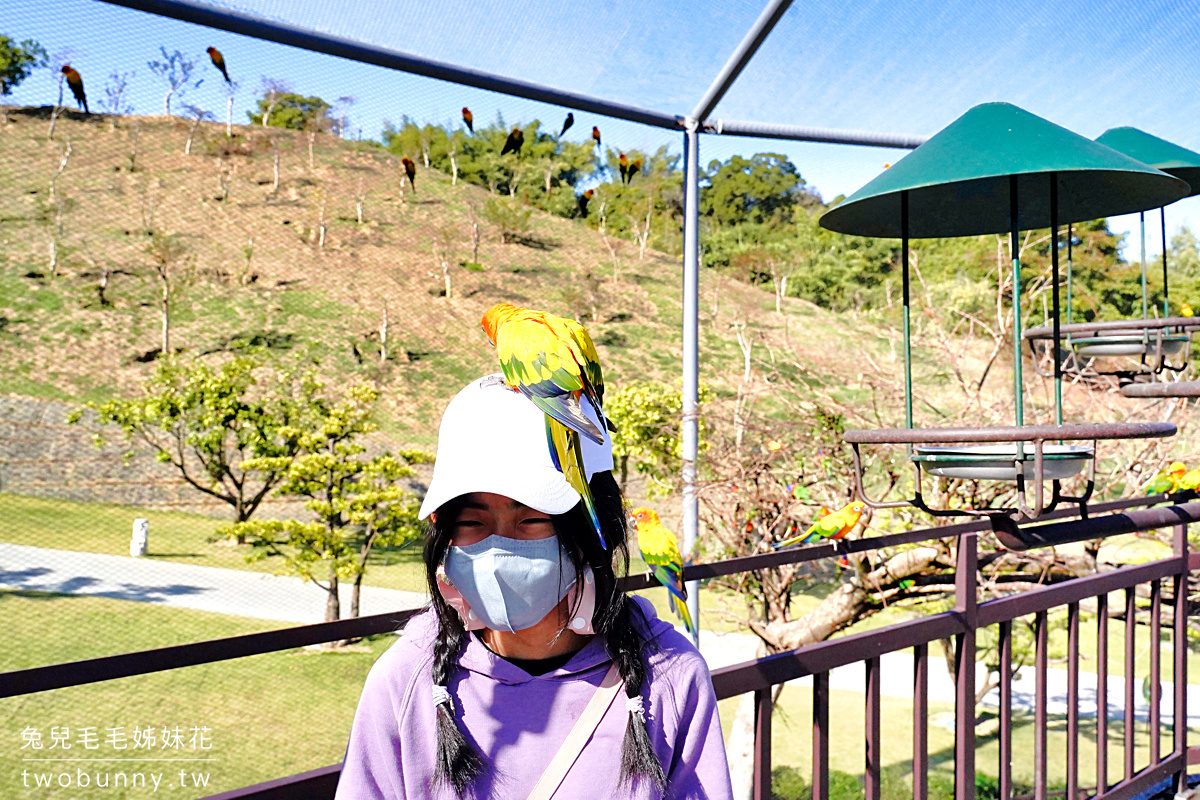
458,763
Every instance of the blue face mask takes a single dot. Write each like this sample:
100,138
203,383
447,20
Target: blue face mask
511,584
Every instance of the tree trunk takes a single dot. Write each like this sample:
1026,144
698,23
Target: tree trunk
275,186
453,169
383,334
229,116
166,311
187,150
312,136
333,603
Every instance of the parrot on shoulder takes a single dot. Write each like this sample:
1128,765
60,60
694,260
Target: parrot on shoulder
1167,480
660,551
552,361
834,525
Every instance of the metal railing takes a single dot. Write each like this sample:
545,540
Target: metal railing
818,660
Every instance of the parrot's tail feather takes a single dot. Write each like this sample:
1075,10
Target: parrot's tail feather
681,610
567,455
566,409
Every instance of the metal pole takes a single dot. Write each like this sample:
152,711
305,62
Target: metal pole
908,391
740,57
1162,212
801,133
1142,223
1014,243
1070,249
691,354
1058,414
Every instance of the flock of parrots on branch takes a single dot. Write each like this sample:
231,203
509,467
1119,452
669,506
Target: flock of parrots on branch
513,144
553,362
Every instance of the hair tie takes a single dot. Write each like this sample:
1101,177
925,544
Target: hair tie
441,695
635,705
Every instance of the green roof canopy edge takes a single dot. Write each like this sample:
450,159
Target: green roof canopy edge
958,181
1158,153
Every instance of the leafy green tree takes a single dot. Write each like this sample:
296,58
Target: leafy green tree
356,502
766,188
293,111
215,425
17,61
647,415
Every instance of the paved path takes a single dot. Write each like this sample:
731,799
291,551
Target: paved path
288,599
223,591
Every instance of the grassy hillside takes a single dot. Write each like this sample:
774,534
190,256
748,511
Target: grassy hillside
252,270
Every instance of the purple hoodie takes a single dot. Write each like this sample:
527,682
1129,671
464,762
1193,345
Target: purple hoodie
517,722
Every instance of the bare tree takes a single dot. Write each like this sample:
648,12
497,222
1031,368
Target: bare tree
175,69
273,91
341,115
115,100
383,333
198,115
475,232
166,252
360,198
231,88
443,245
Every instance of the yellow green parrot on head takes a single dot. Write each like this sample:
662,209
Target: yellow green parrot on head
660,551
552,361
1167,481
830,526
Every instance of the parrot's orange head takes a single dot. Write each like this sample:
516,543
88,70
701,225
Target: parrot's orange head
466,111
406,161
644,516
589,194
494,317
66,69
210,50
1177,468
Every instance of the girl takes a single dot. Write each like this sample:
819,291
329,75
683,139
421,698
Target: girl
531,675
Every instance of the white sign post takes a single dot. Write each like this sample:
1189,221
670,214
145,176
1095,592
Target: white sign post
141,531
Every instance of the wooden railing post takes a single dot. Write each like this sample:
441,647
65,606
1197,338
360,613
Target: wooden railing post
966,604
762,744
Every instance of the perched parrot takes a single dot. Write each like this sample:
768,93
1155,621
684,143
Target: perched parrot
514,142
830,526
410,169
75,81
218,61
1167,481
660,551
469,119
623,166
635,168
553,362
583,201
1190,481
567,123
1185,310
596,135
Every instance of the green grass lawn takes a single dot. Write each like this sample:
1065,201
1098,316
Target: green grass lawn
270,715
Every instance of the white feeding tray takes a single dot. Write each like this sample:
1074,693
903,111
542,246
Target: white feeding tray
996,462
1128,344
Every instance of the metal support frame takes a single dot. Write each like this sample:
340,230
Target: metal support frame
690,425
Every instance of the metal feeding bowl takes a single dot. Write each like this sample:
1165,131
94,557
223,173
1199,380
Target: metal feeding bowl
1128,343
999,462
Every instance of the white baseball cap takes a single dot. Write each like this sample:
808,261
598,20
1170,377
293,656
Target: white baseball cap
493,439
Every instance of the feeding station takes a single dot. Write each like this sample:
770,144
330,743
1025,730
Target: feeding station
999,169
1154,342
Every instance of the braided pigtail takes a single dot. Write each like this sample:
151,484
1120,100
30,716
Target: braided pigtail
620,622
458,763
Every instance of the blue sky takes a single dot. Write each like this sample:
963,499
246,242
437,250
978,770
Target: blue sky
879,66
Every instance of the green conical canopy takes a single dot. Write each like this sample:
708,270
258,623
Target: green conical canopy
958,181
1158,153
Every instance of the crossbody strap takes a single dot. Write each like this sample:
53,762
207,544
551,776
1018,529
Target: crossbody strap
585,726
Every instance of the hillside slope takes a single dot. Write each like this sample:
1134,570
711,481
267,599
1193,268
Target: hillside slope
252,268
